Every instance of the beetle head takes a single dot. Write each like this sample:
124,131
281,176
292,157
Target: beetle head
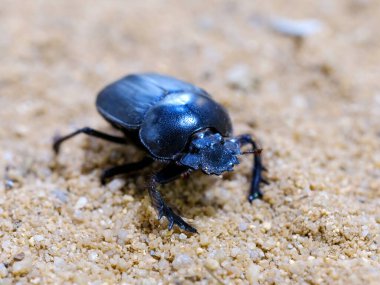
211,153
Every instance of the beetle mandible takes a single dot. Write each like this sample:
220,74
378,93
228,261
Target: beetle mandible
175,123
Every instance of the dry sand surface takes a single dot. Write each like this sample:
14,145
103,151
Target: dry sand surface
313,104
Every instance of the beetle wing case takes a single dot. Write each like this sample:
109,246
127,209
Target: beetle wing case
125,102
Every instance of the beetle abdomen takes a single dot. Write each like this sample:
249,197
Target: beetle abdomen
169,124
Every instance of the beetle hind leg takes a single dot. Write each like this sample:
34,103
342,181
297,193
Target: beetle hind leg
258,168
166,175
124,169
90,132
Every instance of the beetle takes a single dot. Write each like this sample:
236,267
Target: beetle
177,124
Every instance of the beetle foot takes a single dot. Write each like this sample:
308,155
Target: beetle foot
255,192
175,219
255,195
56,144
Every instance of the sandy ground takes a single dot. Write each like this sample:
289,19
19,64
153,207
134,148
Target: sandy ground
314,106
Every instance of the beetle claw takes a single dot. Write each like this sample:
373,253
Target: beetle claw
175,219
255,195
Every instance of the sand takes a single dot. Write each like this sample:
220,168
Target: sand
313,104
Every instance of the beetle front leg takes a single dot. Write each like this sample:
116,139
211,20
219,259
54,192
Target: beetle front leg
90,132
258,168
166,175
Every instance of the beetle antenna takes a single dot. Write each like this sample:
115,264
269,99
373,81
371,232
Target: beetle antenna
255,151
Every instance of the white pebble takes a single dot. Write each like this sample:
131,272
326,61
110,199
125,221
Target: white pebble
22,267
253,273
38,238
3,270
296,28
365,231
93,256
235,251
123,235
181,260
62,196
6,245
212,264
243,227
82,201
116,184
182,236
59,262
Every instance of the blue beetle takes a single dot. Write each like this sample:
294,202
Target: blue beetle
175,123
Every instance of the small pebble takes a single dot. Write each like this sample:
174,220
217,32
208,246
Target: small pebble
82,201
93,255
38,238
181,260
59,262
3,270
182,236
123,235
212,264
253,273
296,28
62,196
116,184
22,267
243,227
20,256
267,226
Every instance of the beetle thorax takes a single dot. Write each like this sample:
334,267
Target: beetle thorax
211,153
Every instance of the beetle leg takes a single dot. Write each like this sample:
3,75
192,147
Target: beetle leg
90,132
124,169
169,173
258,168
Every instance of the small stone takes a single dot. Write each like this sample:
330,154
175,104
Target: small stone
204,240
3,270
123,235
243,227
38,238
296,28
93,256
200,250
182,236
6,245
212,264
22,267
181,260
20,256
82,201
253,273
78,216
235,251
108,235
365,231
62,196
59,262
116,184
267,226
128,198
